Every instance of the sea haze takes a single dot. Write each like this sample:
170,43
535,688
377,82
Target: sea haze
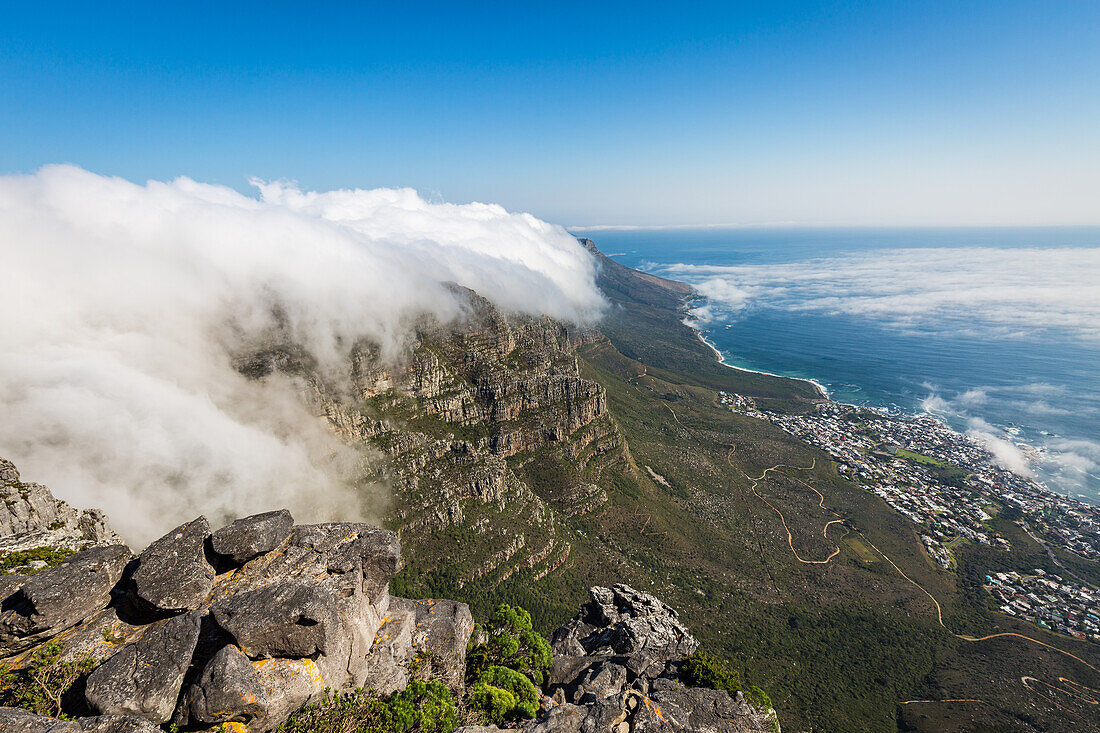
996,331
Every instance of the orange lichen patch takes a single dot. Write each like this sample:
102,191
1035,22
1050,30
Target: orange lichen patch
652,706
305,667
234,728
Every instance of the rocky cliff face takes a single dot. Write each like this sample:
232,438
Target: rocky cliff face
29,513
248,623
457,420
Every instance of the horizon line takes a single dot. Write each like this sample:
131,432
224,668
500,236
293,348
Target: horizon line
806,225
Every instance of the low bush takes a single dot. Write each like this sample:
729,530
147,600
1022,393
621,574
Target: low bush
705,670
42,685
504,694
49,555
507,640
422,707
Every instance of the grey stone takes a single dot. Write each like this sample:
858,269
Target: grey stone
563,718
290,619
9,584
117,724
287,684
172,574
442,632
388,661
701,709
18,720
346,547
252,536
437,629
603,715
621,620
566,670
228,690
600,681
60,597
144,678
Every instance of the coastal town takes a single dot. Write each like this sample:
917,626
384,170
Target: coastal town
951,486
1049,601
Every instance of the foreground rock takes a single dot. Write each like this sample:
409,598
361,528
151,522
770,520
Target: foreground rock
617,666
60,597
247,624
282,613
17,720
144,678
172,574
252,536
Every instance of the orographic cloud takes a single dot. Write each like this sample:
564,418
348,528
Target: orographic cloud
121,306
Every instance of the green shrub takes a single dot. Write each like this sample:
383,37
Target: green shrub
495,702
49,555
422,707
41,686
504,694
758,698
705,670
506,640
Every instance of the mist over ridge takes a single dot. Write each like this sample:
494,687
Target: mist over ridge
123,305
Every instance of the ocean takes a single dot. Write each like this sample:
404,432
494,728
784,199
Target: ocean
995,331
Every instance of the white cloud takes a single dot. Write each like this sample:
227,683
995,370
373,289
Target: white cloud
1004,452
121,306
973,397
1008,292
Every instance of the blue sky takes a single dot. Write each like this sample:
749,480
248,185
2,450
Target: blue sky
610,113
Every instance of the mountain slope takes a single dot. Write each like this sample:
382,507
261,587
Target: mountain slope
529,460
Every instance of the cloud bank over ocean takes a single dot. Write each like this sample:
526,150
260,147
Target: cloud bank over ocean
1074,462
122,305
947,306
989,291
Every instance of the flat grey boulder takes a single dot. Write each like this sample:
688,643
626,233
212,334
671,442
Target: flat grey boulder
9,584
702,709
292,619
600,681
564,718
252,536
228,690
18,720
172,575
116,724
60,597
370,554
144,678
388,662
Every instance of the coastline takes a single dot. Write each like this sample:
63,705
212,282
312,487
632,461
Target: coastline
722,360
1080,499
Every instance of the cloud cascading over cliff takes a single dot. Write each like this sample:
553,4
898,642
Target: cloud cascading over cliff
122,306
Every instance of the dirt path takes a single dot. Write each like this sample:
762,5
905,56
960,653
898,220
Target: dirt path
1066,686
821,503
1074,689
